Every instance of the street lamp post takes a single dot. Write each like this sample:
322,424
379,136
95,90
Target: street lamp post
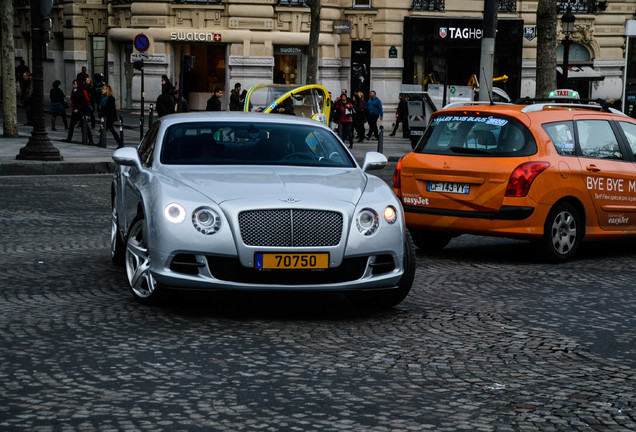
39,146
567,25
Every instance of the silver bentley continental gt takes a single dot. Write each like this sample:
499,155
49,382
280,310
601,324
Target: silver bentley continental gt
241,201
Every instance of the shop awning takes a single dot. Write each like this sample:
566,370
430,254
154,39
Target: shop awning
582,73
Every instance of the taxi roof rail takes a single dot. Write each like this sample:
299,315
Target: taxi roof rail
471,103
541,106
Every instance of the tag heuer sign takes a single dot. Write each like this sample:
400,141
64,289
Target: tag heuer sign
342,27
529,33
443,31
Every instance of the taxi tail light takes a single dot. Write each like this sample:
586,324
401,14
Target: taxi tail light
397,179
522,177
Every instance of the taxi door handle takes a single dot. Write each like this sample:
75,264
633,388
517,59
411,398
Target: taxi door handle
592,168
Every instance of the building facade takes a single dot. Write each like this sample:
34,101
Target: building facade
364,44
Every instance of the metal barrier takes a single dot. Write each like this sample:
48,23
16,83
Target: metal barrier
121,129
150,115
381,139
102,133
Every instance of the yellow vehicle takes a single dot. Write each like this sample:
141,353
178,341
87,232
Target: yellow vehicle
310,101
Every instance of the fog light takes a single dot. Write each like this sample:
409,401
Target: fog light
390,215
175,213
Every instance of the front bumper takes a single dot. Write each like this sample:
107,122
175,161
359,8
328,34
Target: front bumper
209,272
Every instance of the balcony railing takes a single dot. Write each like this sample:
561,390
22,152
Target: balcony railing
579,6
197,1
429,5
295,3
507,6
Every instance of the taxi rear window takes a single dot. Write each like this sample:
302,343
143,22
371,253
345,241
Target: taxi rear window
476,135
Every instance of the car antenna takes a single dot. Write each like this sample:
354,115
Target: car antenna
489,90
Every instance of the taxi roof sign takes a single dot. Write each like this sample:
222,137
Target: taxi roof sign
565,93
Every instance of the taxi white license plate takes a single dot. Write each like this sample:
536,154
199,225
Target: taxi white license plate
292,260
458,188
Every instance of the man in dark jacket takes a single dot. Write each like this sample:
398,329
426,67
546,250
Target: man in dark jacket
214,103
166,100
236,104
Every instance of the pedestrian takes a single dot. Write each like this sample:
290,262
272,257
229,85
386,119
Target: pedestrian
107,110
20,70
214,103
359,118
401,116
81,76
166,100
374,112
79,107
27,96
58,104
92,100
236,103
185,107
344,117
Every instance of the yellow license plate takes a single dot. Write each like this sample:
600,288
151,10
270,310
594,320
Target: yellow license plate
292,260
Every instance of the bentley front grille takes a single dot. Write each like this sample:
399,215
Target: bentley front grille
290,228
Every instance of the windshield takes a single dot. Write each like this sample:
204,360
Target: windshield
233,143
476,135
306,103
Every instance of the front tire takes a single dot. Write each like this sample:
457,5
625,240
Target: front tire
388,298
142,283
562,234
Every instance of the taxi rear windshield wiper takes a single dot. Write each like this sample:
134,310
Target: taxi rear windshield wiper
457,149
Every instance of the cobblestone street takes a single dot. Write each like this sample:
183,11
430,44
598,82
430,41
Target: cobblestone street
489,339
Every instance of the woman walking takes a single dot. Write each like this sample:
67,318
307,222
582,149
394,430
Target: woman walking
58,104
79,105
359,117
108,111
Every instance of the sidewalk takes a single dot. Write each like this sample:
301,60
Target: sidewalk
85,159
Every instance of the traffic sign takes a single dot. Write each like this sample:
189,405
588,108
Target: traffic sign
141,42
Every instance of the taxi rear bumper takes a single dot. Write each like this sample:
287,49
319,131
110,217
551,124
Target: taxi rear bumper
504,213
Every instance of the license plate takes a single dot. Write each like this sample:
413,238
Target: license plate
458,188
417,132
292,260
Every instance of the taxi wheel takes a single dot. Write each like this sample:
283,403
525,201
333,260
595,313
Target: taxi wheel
430,241
563,231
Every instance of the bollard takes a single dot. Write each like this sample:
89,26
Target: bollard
381,139
150,116
121,129
84,129
102,133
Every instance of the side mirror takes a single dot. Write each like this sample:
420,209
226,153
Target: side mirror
374,161
127,156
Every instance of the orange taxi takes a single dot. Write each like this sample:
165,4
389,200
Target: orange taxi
552,172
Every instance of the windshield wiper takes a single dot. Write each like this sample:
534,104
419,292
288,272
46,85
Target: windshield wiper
457,149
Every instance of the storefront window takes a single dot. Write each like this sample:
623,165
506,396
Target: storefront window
207,74
290,64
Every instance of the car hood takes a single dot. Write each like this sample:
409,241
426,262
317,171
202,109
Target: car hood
228,183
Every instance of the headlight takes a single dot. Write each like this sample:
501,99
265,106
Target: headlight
367,222
206,220
390,214
175,213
